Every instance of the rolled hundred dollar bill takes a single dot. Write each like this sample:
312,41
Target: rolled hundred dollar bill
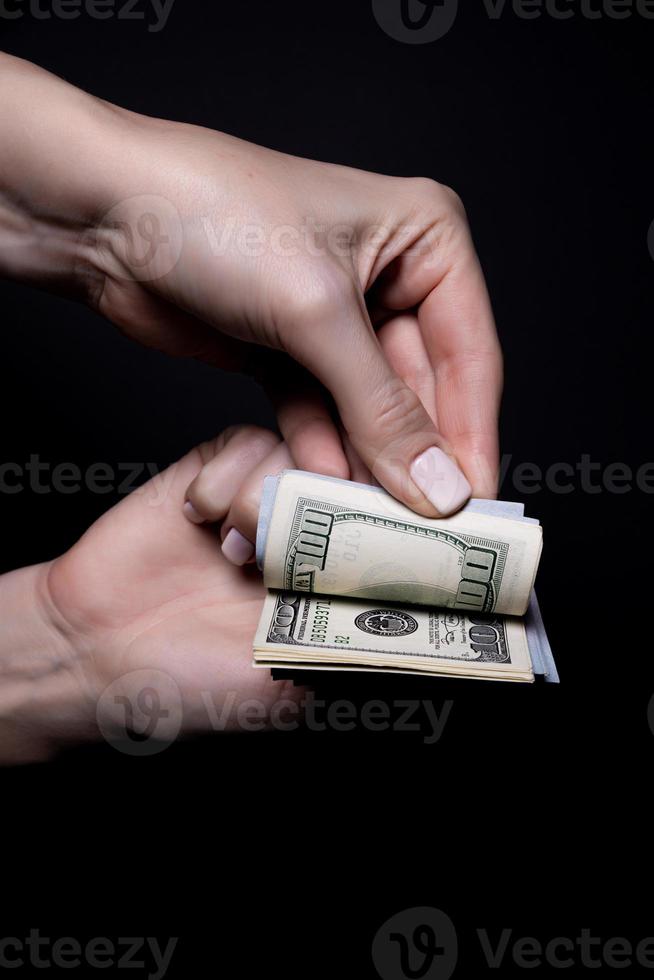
334,537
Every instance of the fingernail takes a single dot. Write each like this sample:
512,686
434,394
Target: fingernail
192,514
441,480
237,548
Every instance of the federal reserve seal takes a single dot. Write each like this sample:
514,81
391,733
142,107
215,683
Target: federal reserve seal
386,622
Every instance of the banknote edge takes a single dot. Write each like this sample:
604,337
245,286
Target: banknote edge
540,651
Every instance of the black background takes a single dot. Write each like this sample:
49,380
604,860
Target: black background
287,852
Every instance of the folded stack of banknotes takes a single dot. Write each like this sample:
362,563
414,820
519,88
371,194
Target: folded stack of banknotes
357,581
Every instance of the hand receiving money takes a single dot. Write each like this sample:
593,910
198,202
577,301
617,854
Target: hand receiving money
229,486
359,582
144,592
145,589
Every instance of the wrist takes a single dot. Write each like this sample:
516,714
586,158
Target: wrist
45,701
59,167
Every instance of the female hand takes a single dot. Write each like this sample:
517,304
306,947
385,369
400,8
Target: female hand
205,497
143,613
200,244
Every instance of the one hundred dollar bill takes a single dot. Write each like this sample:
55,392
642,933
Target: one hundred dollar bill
333,537
311,632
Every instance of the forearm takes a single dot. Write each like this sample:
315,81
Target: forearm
58,175
42,697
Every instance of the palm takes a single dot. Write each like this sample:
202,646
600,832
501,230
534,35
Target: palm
145,589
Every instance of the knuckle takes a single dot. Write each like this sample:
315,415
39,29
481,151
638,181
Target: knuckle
424,187
227,434
305,429
207,450
201,495
399,411
437,195
254,434
255,439
454,201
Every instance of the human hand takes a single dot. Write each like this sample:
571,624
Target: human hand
228,491
200,244
143,594
390,250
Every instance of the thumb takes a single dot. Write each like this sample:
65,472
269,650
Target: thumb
384,419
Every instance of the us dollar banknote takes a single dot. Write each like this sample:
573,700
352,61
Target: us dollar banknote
333,537
329,632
